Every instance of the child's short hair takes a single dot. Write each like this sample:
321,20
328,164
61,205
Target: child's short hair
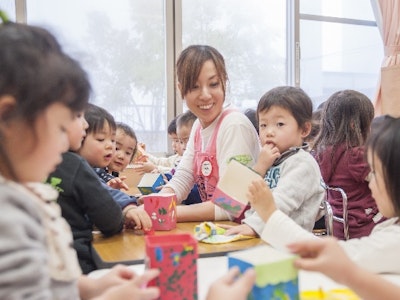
186,119
128,130
251,114
172,126
384,142
290,98
96,116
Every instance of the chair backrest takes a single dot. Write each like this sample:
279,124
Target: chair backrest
328,212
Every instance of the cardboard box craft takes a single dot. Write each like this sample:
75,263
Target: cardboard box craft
149,182
276,276
162,210
230,192
176,255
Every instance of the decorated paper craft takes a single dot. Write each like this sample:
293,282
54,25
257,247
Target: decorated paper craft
162,210
276,276
230,192
176,255
149,182
210,233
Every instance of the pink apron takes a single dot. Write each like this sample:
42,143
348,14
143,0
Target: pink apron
205,163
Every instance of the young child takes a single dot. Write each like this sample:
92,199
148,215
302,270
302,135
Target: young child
98,149
41,92
284,116
184,125
339,151
84,202
377,252
126,147
161,164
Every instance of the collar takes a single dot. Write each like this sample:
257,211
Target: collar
291,151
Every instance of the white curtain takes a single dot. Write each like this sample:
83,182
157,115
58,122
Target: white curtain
387,15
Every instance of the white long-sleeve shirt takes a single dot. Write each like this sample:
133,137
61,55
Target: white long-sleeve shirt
378,252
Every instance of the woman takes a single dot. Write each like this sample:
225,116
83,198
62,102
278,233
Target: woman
219,134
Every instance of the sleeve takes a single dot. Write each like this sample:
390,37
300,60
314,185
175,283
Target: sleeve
254,221
23,261
183,180
281,230
166,163
379,251
120,197
96,202
237,138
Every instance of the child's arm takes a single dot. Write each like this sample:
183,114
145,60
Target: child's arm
200,212
328,257
261,199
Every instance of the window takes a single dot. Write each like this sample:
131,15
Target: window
341,47
122,46
9,7
251,35
129,49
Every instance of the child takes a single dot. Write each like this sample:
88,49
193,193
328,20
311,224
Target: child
161,164
284,116
41,90
82,199
98,149
219,134
126,147
184,125
339,151
377,252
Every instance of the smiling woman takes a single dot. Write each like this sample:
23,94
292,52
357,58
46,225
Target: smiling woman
218,134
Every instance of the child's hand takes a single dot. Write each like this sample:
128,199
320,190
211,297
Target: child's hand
261,199
137,218
232,288
132,288
144,167
323,255
118,183
268,154
243,229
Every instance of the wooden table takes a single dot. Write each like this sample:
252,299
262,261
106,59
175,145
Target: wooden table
128,247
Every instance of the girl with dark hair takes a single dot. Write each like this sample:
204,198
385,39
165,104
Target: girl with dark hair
41,92
339,150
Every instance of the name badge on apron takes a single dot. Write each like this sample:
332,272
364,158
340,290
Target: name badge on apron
206,168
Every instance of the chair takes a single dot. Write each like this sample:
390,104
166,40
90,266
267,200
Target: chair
327,213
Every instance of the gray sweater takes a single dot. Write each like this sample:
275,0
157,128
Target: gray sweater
27,264
296,186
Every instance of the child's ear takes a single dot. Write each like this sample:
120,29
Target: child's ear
306,129
7,107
